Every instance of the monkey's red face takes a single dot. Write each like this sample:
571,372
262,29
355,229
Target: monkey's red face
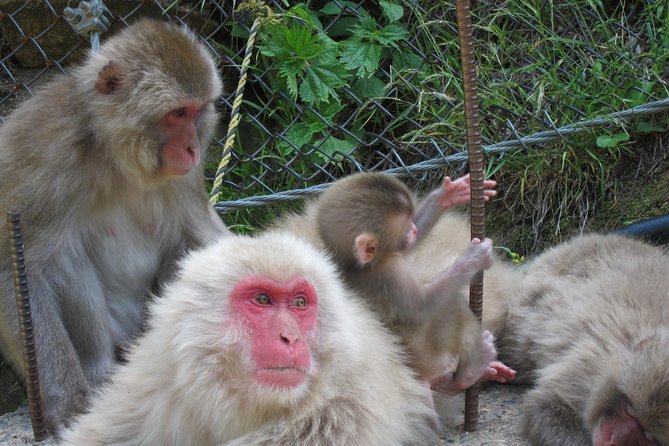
279,315
621,428
181,151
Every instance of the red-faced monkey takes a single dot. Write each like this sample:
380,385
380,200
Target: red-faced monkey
259,343
104,166
590,328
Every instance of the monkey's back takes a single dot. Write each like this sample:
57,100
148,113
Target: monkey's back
594,293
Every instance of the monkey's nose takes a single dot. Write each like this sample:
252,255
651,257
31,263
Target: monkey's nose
289,338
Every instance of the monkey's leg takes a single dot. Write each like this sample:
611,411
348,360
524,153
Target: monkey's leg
549,420
63,384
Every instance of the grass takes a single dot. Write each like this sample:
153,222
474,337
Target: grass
541,64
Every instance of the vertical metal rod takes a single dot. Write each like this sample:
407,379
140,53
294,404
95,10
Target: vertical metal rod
475,153
26,327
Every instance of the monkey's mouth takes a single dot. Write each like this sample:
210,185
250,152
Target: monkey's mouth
287,376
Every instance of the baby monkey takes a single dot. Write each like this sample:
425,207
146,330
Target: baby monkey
369,224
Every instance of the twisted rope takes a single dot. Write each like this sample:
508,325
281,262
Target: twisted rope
235,116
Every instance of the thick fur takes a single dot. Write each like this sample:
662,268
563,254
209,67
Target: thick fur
185,382
445,242
591,324
100,230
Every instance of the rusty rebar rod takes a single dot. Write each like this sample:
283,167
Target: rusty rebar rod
26,327
475,155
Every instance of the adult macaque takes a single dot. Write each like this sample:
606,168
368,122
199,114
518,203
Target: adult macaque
367,221
590,327
259,343
104,166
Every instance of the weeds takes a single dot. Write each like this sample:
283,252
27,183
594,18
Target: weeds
345,85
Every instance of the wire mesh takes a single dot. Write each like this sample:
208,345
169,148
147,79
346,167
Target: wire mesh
402,115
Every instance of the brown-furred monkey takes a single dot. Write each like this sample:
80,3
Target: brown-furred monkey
589,327
104,165
368,223
259,343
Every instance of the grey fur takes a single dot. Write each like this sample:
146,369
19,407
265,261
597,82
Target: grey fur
99,227
590,325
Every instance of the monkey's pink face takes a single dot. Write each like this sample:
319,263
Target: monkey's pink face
279,315
181,151
621,428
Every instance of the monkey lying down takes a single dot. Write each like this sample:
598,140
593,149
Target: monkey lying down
257,342
590,328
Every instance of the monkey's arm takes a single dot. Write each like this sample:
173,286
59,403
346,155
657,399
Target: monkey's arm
451,193
64,387
476,258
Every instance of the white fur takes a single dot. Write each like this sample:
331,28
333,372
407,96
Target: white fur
186,383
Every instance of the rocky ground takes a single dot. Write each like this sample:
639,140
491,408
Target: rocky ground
498,415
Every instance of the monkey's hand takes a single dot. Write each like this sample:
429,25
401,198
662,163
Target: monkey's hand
478,255
499,372
455,193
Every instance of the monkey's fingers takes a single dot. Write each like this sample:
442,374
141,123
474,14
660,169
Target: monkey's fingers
498,372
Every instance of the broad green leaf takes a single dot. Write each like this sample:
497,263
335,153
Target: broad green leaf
371,87
329,111
607,141
649,127
392,10
318,85
331,145
407,59
308,16
364,57
298,134
390,35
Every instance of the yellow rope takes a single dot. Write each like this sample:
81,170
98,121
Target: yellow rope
235,116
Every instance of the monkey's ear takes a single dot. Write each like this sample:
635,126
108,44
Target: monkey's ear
110,79
365,247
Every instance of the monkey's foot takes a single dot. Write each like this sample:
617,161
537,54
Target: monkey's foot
474,369
499,372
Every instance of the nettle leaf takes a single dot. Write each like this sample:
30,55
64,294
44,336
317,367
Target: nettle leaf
330,50
274,42
330,145
407,59
306,15
298,134
319,82
329,111
607,141
392,10
390,35
364,57
366,28
371,87
289,72
302,43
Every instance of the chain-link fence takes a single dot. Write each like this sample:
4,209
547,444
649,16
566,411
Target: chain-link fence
340,86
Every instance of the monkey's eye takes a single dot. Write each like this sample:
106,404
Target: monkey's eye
262,299
179,113
648,436
299,302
